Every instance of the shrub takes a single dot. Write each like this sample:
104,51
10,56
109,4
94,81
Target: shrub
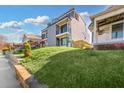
27,49
114,46
9,48
4,50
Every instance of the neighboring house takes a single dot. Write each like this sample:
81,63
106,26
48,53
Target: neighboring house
65,30
1,45
34,40
18,46
5,45
107,27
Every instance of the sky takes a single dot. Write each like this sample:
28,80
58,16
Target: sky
18,20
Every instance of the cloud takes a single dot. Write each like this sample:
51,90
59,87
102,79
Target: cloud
11,24
15,37
84,14
37,21
18,31
86,17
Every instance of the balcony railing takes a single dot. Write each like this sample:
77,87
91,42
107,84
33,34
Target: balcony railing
61,32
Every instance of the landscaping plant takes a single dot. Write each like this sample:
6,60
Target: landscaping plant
27,49
73,67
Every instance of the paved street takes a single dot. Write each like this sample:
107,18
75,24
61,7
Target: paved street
7,74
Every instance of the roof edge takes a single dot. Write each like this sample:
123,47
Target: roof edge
106,11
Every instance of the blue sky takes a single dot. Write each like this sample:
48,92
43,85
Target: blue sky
17,20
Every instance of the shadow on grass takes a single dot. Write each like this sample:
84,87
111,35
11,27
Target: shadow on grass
80,68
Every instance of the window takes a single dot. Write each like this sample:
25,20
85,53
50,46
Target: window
57,42
44,36
64,41
117,30
64,28
57,29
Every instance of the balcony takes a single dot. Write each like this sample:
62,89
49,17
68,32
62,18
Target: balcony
62,35
62,30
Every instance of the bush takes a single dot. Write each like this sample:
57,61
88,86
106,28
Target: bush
114,46
4,50
27,49
119,45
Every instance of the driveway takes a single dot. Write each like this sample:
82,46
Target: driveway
7,74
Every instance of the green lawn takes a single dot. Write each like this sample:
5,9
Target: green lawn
19,54
72,67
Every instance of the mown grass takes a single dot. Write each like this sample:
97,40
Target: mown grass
19,54
72,67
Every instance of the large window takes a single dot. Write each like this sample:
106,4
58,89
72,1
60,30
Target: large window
64,28
117,30
64,41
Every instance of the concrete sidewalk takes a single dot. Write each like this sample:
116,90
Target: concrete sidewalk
7,74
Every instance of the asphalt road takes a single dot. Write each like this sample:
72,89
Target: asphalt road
7,74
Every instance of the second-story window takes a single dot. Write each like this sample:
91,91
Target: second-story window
57,29
64,28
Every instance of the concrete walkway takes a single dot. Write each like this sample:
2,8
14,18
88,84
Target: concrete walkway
7,74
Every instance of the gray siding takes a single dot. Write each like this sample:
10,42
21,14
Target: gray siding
52,35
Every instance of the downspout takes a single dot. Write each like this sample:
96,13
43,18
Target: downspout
94,34
123,28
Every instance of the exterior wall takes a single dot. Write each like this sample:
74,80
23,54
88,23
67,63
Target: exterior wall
106,37
52,35
78,30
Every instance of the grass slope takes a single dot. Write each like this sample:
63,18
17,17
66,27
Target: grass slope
72,67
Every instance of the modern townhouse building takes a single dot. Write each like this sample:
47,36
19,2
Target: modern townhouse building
107,27
65,30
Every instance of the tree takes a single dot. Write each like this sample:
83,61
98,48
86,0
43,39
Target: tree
2,41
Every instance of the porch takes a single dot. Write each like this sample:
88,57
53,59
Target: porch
109,30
